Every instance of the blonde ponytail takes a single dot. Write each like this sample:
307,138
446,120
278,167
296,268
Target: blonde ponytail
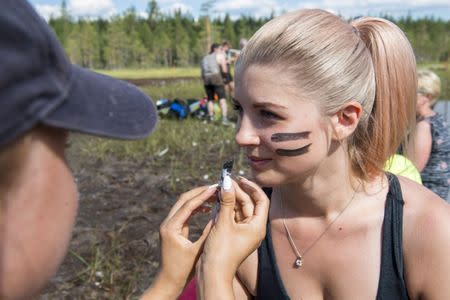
393,113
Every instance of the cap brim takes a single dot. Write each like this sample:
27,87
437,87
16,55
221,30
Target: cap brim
101,105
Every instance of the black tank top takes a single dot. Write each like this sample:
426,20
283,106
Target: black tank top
391,282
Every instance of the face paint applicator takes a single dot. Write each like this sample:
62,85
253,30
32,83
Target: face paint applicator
224,182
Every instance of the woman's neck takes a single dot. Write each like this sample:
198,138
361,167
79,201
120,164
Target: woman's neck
324,193
319,197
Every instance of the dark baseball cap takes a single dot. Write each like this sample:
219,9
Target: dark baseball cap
38,84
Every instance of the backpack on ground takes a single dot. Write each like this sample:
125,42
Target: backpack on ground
211,70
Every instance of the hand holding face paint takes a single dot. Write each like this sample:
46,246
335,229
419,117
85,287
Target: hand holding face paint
232,239
178,254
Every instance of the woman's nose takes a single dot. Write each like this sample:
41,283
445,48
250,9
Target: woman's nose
246,135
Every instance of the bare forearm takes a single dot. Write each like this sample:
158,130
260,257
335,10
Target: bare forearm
212,285
162,289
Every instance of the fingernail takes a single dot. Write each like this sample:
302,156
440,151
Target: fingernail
241,178
227,183
213,186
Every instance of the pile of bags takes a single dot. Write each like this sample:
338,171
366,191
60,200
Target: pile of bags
181,109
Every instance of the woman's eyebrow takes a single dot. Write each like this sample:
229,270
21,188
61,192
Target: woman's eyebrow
268,105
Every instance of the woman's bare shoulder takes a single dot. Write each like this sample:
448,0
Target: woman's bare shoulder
423,209
421,202
426,240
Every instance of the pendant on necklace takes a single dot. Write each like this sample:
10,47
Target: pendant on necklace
298,262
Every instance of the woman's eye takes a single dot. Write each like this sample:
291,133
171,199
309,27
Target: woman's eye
237,107
269,115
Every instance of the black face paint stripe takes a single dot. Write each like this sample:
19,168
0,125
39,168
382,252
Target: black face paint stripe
283,137
293,152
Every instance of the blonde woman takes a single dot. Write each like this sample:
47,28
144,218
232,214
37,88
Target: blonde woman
322,105
432,140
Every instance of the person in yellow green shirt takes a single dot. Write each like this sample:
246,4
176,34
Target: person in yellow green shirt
399,165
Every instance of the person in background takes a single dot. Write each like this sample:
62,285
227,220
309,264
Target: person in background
212,67
242,43
227,77
400,165
431,140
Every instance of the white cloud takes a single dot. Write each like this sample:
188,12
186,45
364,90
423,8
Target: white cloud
142,14
89,8
410,3
225,5
46,10
177,6
256,8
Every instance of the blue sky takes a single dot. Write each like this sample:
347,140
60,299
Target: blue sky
347,8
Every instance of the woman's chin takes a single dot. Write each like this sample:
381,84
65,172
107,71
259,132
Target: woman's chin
266,179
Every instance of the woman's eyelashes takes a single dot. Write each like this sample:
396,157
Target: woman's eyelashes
263,113
237,107
269,115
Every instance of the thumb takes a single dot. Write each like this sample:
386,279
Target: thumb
227,199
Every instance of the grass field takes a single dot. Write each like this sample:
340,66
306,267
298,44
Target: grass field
153,73
196,90
191,151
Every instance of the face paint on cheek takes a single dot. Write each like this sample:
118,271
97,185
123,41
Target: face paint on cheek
293,136
293,152
283,137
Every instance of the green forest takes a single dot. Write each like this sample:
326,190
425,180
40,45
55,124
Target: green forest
178,40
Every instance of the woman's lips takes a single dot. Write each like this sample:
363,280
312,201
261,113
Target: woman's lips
258,162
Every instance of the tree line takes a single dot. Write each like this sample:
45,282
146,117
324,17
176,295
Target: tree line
176,39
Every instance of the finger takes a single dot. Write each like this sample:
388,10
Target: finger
258,196
244,203
186,197
183,214
237,212
185,230
227,200
199,243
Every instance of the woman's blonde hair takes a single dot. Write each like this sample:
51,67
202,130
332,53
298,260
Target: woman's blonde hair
368,60
429,84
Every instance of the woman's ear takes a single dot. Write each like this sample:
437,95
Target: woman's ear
346,119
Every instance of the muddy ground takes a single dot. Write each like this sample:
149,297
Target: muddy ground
114,251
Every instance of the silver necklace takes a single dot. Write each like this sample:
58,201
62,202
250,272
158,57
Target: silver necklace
299,259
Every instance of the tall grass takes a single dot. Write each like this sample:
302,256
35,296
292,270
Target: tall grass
176,90
191,151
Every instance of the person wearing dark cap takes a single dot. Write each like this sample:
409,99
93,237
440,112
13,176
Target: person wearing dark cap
43,96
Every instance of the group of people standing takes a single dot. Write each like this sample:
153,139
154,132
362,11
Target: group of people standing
217,77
